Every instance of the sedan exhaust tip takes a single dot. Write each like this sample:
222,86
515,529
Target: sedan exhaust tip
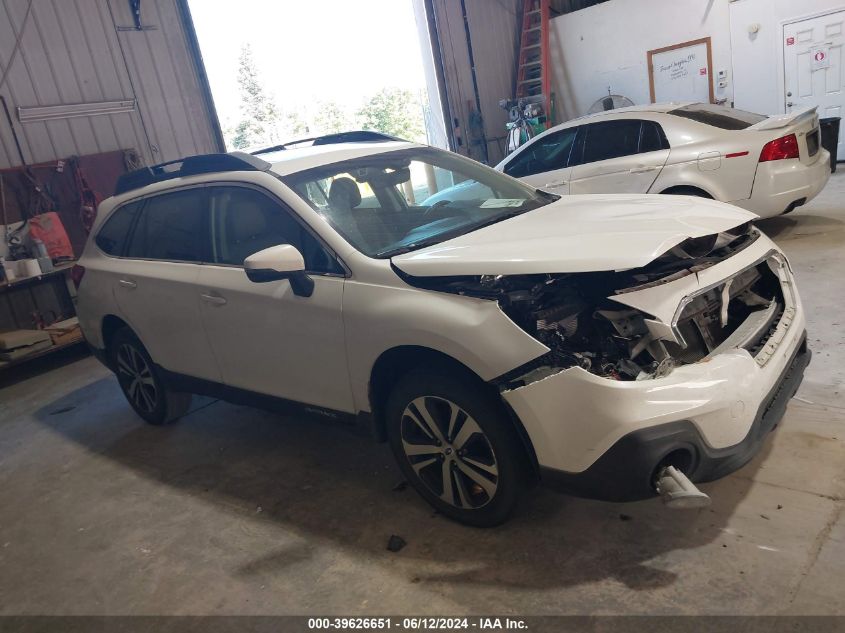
678,492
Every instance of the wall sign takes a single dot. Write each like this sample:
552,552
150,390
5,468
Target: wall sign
820,57
682,72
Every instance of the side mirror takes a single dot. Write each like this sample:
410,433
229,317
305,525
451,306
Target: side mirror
280,262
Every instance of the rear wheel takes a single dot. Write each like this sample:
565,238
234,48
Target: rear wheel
456,447
142,383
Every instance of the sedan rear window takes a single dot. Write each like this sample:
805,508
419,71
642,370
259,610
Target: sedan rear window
718,116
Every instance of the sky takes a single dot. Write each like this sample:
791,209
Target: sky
308,51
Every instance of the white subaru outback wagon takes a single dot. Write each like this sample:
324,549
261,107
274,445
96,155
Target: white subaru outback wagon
613,346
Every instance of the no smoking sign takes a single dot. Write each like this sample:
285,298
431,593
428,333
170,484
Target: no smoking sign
820,58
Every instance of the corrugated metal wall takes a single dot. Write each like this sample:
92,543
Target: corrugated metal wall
72,51
495,40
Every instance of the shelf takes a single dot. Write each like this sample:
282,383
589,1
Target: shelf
58,269
5,364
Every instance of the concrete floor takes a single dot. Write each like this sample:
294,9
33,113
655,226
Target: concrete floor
237,511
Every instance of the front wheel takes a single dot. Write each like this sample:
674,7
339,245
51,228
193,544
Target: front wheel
456,446
142,383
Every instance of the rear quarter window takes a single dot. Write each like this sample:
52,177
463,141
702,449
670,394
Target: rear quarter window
111,238
718,116
171,227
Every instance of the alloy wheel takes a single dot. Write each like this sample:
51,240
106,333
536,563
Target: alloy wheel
449,452
136,378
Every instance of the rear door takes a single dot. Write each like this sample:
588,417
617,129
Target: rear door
155,281
545,163
620,156
814,68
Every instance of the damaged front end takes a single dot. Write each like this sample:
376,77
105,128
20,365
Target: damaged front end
584,320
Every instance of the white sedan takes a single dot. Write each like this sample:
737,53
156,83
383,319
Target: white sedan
767,165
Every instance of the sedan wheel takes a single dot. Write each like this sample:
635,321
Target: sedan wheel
449,452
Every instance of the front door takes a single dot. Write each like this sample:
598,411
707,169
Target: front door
266,338
544,162
814,71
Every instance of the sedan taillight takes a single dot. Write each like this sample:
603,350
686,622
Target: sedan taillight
780,149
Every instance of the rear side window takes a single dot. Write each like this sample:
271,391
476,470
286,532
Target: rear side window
171,227
718,116
112,237
547,154
611,139
245,221
652,137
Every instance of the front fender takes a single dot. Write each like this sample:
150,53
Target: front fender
473,331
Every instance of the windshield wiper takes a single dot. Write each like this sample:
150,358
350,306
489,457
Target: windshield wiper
390,252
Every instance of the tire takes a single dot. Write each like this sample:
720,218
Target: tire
481,457
142,383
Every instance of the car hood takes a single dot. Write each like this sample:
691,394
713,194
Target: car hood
576,234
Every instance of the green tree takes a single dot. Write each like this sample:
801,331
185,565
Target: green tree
260,118
330,118
294,124
394,111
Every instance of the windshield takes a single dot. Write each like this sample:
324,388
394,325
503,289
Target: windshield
395,202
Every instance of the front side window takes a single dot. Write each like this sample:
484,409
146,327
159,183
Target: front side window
112,236
611,139
245,221
171,227
548,153
393,202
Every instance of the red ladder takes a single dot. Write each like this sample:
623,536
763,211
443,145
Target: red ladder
532,77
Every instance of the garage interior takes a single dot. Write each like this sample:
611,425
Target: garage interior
238,511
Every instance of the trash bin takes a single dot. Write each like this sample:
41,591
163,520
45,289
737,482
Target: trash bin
830,137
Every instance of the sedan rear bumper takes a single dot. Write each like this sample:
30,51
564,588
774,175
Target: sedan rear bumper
782,185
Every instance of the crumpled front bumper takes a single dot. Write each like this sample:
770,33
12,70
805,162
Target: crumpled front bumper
626,471
604,438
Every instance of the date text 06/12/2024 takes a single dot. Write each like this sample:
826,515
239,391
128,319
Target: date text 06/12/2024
417,624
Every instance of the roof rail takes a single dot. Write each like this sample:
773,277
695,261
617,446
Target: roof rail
189,166
357,136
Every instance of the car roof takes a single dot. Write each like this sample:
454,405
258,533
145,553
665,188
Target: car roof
294,159
656,108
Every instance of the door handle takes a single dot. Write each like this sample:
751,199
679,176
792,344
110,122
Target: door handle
789,104
214,300
128,283
642,169
556,183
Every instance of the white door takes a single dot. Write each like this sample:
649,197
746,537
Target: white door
155,282
620,156
814,73
266,338
544,162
